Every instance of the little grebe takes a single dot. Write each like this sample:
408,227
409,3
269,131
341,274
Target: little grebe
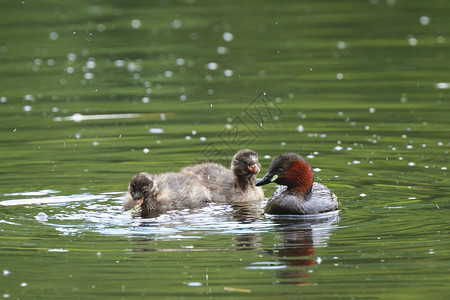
195,186
235,185
166,191
299,194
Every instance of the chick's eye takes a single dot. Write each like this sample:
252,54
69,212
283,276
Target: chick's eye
280,169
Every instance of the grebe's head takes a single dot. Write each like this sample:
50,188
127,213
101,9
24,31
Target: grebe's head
291,170
140,187
245,163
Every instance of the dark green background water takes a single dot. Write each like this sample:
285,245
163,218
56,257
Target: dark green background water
359,88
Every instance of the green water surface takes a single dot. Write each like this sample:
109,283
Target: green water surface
92,92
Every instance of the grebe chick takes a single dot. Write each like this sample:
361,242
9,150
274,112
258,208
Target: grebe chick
231,186
196,186
166,191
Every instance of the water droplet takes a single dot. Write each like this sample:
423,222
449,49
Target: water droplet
222,50
212,66
29,98
341,45
424,20
180,61
340,76
91,64
101,27
42,217
77,117
442,85
53,36
412,41
156,130
146,150
88,76
119,63
227,36
176,24
71,56
228,73
440,39
300,128
136,23
194,284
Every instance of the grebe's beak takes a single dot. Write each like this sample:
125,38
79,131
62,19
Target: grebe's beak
254,168
267,179
137,206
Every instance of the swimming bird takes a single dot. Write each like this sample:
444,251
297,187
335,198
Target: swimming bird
298,193
237,184
196,186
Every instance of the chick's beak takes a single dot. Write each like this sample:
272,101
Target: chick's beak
268,178
137,196
138,205
254,168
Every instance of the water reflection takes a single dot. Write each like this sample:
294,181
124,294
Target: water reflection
300,236
245,212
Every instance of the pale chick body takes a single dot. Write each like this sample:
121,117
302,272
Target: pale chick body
299,194
166,191
196,186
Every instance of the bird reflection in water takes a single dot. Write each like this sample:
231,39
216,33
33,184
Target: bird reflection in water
300,235
246,213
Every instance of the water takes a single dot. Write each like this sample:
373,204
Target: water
92,93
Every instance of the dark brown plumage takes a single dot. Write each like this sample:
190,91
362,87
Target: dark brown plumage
299,194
